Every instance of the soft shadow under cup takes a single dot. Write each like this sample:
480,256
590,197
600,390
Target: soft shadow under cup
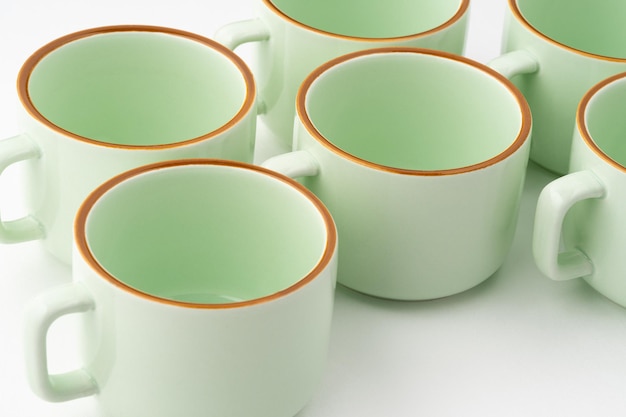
206,234
413,111
137,88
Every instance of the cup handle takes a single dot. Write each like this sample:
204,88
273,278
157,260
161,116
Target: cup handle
12,150
515,63
554,202
41,312
234,34
293,164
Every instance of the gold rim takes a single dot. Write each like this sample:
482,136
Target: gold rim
89,258
581,119
30,64
518,15
522,135
463,7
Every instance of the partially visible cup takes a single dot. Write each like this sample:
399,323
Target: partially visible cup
580,222
104,100
204,287
296,36
574,45
420,156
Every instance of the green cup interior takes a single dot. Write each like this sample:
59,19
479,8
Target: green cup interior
206,234
596,27
414,111
605,121
370,18
137,88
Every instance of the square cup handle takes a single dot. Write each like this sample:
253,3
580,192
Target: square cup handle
555,200
41,312
12,150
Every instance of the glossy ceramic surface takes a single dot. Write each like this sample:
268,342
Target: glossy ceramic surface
219,304
518,345
575,46
101,101
586,207
423,185
297,36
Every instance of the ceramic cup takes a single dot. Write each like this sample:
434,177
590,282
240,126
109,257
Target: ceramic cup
205,288
573,44
296,36
420,156
104,100
580,223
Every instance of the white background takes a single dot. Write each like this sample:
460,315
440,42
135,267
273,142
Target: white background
517,345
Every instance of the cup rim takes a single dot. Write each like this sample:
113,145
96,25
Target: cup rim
581,119
522,136
33,60
461,11
518,15
83,249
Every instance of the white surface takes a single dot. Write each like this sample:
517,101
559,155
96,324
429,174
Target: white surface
517,345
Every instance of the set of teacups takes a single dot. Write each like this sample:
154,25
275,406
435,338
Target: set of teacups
204,282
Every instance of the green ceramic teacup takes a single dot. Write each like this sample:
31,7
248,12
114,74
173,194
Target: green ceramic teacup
104,100
575,44
580,224
296,36
420,156
204,287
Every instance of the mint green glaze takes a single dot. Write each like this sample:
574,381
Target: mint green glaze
288,48
413,111
142,356
206,234
137,94
596,27
555,33
580,228
410,234
606,122
137,88
369,19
